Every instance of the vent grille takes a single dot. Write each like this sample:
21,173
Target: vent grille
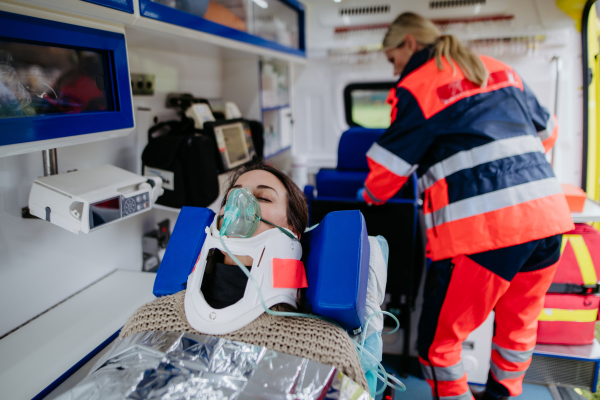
455,3
359,11
561,372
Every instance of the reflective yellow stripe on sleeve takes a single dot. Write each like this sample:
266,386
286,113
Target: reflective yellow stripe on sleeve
556,314
584,259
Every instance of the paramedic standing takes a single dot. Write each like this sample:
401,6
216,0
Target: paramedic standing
493,208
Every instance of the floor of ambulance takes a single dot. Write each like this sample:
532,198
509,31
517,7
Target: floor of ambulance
418,389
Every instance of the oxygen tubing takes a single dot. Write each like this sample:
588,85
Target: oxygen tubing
380,371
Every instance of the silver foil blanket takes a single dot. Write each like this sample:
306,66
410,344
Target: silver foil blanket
173,365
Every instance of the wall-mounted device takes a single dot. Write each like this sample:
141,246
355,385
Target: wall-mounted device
63,84
89,199
200,113
225,109
234,140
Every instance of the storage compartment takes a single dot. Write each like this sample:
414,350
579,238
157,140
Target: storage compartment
273,24
568,319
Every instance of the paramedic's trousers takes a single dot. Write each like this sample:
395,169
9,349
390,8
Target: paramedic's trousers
461,292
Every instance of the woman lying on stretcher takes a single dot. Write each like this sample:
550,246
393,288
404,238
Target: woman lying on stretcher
227,305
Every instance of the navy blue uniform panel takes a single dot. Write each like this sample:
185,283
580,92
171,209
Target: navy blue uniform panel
407,137
436,286
530,256
539,114
546,254
475,121
497,175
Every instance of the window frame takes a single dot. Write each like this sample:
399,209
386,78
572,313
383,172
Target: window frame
388,85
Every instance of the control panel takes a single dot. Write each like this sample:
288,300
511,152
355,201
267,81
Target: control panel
134,204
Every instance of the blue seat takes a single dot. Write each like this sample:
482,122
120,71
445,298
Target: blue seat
352,168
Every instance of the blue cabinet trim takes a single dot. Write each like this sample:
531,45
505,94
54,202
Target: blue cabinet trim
153,10
121,5
53,126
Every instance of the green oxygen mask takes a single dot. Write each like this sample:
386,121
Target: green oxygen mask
242,215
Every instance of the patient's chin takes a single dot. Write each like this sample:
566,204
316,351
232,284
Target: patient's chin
246,260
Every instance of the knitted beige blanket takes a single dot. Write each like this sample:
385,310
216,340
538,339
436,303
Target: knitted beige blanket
310,338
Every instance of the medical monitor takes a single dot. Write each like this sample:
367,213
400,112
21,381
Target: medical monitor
234,141
60,84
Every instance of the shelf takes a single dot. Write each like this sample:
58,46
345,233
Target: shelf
166,208
41,354
161,27
590,213
276,108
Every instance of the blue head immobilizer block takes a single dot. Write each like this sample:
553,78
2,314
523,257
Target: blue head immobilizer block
183,250
337,269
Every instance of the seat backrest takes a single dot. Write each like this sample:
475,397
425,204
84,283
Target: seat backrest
336,260
353,147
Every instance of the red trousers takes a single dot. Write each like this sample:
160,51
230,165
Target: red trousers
461,292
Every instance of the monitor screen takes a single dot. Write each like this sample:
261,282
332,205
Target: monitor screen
38,79
235,144
105,211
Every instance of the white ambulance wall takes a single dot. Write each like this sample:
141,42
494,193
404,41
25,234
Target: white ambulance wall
319,116
43,264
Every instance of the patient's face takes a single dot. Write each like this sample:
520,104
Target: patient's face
271,195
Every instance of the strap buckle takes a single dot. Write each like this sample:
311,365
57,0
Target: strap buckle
572,288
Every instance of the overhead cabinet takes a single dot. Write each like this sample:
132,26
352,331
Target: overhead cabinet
271,25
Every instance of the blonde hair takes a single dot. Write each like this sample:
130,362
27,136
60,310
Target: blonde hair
426,33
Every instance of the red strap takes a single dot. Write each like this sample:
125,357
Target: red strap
288,274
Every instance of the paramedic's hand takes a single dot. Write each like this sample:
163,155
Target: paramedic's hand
360,195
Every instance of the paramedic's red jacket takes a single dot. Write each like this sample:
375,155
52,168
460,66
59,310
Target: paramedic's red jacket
482,169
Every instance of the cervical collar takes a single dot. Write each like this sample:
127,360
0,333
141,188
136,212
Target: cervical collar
263,248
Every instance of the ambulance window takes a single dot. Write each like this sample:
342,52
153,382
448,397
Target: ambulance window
366,105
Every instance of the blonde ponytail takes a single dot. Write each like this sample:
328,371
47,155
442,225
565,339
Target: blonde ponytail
468,62
426,34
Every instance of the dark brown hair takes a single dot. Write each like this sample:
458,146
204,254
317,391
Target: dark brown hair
297,208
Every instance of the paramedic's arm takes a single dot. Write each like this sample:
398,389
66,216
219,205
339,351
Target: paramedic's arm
394,157
544,122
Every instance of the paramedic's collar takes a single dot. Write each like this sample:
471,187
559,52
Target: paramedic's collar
417,59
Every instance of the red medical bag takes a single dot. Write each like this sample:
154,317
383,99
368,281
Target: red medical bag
571,305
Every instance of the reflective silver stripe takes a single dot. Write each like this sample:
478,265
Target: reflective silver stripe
502,375
489,152
513,355
465,396
493,201
371,195
452,373
390,161
550,125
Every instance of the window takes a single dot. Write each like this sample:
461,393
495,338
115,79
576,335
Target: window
366,104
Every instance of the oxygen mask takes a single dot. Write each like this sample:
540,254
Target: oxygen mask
242,215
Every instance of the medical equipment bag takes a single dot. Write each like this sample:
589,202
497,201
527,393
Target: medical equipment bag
571,304
336,258
187,163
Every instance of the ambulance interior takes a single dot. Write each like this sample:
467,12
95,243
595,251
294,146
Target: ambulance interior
309,71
